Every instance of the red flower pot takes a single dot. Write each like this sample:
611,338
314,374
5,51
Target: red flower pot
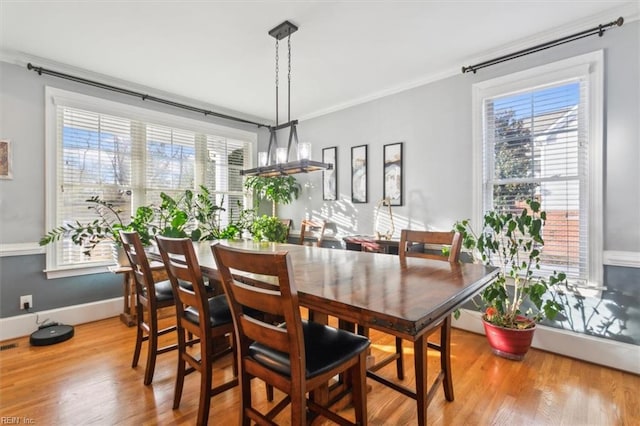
511,343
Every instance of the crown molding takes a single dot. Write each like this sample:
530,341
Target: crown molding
430,78
630,12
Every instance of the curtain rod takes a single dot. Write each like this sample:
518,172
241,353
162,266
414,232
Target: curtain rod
142,96
600,29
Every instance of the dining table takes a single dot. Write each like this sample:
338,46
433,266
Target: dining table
374,290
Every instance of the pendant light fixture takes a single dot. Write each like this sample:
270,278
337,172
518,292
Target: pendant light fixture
275,161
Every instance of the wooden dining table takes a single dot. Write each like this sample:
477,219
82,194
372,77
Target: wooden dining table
375,291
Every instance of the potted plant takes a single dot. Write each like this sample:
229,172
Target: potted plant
518,298
106,227
277,189
207,216
192,215
269,228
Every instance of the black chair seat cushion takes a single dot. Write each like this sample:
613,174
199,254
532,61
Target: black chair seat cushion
325,348
218,311
163,290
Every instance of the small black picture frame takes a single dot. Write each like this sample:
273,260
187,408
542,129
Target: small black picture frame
393,173
359,179
330,177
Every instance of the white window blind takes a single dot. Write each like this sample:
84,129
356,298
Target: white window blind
170,162
128,162
94,159
536,145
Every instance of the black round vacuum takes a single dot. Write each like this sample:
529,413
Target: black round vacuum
51,335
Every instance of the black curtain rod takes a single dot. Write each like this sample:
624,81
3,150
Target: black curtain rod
142,96
600,29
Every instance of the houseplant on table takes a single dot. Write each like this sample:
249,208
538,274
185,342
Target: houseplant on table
518,298
269,228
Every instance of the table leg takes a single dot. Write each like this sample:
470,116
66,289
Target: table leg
128,316
420,358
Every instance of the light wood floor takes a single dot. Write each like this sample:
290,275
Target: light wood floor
88,380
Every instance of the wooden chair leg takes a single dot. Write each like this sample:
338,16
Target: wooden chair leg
358,374
205,389
152,350
234,354
445,358
400,360
269,389
136,351
245,398
182,365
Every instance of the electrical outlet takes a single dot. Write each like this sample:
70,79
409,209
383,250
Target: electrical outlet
26,299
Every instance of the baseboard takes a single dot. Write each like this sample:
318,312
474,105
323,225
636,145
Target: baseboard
23,325
610,353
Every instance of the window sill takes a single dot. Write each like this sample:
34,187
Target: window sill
76,271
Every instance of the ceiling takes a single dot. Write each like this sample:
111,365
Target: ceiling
220,53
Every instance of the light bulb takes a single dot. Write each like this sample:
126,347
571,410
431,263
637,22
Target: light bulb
262,158
304,150
281,155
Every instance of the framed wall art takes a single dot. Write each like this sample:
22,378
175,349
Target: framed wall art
6,167
393,173
359,174
330,177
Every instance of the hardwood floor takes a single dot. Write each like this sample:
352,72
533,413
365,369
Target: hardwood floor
89,380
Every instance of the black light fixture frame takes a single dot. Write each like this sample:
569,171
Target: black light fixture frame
280,32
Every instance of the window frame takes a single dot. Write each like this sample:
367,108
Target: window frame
54,98
589,66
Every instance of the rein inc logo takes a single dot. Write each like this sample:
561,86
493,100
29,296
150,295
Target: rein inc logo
16,420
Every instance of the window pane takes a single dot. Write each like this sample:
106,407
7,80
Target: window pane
95,160
120,160
538,151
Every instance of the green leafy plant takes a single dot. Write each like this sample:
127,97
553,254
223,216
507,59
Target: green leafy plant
192,215
514,243
277,189
175,215
208,222
106,227
207,215
269,228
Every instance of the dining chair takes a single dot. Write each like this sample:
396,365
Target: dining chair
314,228
287,223
428,245
201,316
297,357
150,297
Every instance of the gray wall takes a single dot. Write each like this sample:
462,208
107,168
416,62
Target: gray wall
22,200
434,122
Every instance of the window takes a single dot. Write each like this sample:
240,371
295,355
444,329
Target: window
128,156
539,133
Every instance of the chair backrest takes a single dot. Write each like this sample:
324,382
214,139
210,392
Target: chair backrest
287,223
428,244
314,228
143,277
187,282
279,300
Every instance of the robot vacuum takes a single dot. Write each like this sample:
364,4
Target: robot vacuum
50,335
